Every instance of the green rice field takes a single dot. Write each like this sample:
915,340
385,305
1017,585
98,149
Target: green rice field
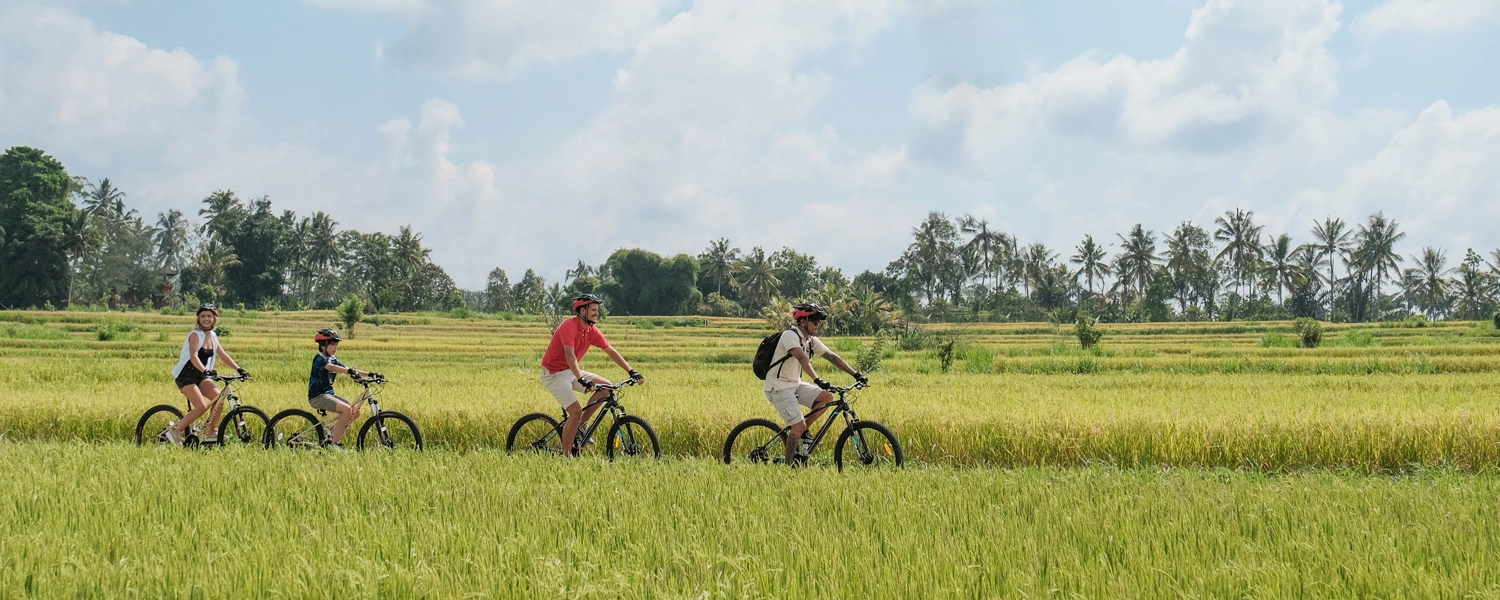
1179,459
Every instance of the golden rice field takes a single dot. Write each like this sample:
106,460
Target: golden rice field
1185,395
1178,460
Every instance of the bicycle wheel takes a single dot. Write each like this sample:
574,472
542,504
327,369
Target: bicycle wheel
243,425
757,441
632,437
536,432
294,428
154,423
867,444
390,430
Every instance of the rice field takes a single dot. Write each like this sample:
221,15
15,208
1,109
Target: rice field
1187,460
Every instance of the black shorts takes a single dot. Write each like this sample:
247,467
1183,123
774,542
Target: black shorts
189,376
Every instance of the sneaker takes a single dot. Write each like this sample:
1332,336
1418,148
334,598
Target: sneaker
172,437
337,447
210,440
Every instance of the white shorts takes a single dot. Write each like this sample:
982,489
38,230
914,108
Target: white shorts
564,386
786,401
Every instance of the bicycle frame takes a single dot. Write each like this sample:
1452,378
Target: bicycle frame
227,396
840,408
367,396
612,408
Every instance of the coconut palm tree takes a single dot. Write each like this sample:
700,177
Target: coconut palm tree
1280,264
1375,250
1038,259
408,253
217,207
717,262
1430,292
1470,286
1241,237
1138,255
171,239
1090,261
1332,243
1187,260
212,262
104,200
983,248
757,277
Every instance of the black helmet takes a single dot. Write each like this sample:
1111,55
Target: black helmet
809,310
586,300
327,336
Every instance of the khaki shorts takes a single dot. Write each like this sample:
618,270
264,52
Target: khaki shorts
786,401
564,386
328,402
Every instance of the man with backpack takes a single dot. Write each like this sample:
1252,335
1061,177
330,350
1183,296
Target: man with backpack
781,360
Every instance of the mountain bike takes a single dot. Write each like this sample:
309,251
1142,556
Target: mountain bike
862,443
241,424
385,429
628,437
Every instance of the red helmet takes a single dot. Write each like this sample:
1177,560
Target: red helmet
585,300
325,336
809,310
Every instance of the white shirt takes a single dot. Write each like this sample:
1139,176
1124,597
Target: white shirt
190,347
786,375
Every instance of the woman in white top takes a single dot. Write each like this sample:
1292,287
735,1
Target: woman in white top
194,374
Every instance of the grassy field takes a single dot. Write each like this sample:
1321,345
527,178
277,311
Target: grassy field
112,520
1373,399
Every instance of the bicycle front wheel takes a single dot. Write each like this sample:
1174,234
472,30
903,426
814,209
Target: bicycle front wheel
867,444
390,430
632,437
152,427
536,432
756,441
293,428
243,425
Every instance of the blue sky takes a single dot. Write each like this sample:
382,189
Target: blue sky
525,134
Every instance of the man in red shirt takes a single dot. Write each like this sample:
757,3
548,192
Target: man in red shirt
561,374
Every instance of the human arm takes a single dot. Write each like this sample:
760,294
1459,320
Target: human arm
333,366
614,355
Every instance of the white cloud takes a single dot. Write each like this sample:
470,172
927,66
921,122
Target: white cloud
487,38
1247,73
1427,16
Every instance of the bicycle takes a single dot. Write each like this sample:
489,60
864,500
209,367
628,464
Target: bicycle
870,443
242,424
540,433
299,429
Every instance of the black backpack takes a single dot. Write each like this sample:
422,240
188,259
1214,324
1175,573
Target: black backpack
767,349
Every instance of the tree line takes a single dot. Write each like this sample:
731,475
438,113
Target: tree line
65,240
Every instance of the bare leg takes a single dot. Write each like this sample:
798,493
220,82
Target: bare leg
570,427
820,404
195,408
210,394
347,414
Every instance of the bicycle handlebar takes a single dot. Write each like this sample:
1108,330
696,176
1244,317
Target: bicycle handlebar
844,390
373,379
616,386
229,378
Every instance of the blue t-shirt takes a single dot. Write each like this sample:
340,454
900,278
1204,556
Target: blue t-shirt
321,381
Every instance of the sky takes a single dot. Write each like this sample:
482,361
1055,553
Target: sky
527,134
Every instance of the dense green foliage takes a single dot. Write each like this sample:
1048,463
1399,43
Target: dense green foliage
36,224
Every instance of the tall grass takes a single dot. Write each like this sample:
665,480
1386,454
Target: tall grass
116,521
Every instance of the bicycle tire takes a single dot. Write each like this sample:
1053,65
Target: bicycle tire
247,424
145,420
535,439
868,450
625,439
389,433
761,442
289,428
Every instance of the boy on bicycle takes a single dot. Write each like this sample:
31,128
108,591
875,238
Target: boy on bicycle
561,374
784,386
325,368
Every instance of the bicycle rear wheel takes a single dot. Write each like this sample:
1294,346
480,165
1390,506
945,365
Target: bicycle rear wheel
154,423
867,444
757,441
390,430
243,425
536,432
294,428
631,438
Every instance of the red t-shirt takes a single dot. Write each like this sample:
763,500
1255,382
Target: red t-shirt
573,332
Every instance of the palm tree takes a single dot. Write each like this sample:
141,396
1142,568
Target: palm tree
1280,264
104,200
79,239
1090,261
1375,250
1470,285
718,261
212,261
1187,260
1138,255
171,238
1431,290
984,247
407,250
1333,242
757,277
582,270
1038,260
1237,229
218,206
